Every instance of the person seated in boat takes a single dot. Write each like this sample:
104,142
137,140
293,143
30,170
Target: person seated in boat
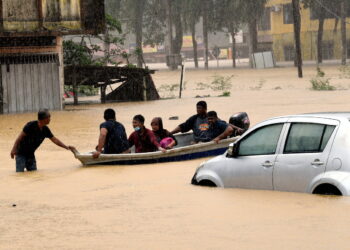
218,129
197,123
164,137
142,138
112,139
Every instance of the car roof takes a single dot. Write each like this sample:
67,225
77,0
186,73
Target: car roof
329,115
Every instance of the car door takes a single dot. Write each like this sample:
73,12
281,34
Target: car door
252,167
304,154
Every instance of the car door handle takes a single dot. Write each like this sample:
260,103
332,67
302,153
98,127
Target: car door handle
267,164
317,162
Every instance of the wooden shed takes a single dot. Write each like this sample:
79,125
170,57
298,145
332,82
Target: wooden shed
31,63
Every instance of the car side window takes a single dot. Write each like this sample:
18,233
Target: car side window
307,138
263,141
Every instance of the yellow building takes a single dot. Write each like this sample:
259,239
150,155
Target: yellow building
276,27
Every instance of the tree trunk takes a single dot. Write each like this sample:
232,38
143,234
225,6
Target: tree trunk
253,40
177,45
170,46
320,36
138,31
1,94
103,93
75,86
107,48
195,45
343,8
233,34
205,33
297,26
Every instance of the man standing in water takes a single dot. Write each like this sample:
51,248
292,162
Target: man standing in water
33,134
112,138
197,123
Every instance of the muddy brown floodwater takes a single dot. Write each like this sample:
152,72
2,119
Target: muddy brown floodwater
66,206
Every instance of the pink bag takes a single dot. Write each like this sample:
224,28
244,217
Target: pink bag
164,143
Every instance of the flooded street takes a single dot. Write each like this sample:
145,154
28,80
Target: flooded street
66,206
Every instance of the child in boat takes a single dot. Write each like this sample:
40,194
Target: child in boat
164,137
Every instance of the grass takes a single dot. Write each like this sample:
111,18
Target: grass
320,82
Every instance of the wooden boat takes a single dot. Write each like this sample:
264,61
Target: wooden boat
183,151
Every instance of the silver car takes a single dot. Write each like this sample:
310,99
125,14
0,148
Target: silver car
299,153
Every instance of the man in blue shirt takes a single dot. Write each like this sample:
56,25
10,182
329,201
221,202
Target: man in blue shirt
112,139
218,129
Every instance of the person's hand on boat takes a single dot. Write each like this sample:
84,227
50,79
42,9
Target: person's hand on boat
13,153
217,140
162,149
73,149
96,154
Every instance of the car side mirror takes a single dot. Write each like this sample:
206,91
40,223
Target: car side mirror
232,150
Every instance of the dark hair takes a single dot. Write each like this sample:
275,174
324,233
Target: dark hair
43,114
109,114
139,118
212,114
160,123
203,104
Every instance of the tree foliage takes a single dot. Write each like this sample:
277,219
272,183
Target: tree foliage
82,53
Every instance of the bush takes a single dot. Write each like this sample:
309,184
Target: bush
221,83
168,90
225,94
83,90
202,86
345,71
320,82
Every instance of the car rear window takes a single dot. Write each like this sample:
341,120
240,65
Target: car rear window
308,138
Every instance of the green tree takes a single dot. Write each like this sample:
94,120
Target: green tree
321,9
228,19
250,12
191,16
133,12
82,53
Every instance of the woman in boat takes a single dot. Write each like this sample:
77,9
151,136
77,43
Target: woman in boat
143,138
164,137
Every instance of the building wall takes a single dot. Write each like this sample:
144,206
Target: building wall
51,17
31,78
283,34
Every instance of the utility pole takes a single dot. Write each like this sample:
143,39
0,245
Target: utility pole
297,26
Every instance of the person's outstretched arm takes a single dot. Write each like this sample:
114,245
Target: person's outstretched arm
186,126
60,144
15,145
176,130
101,142
228,131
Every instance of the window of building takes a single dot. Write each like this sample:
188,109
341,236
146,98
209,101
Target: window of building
287,13
289,53
265,20
328,50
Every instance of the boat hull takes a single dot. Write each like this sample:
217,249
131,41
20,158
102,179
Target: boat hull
177,154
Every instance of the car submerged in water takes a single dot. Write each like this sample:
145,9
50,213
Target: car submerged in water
307,153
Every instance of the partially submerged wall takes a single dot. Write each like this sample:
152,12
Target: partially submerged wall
51,17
